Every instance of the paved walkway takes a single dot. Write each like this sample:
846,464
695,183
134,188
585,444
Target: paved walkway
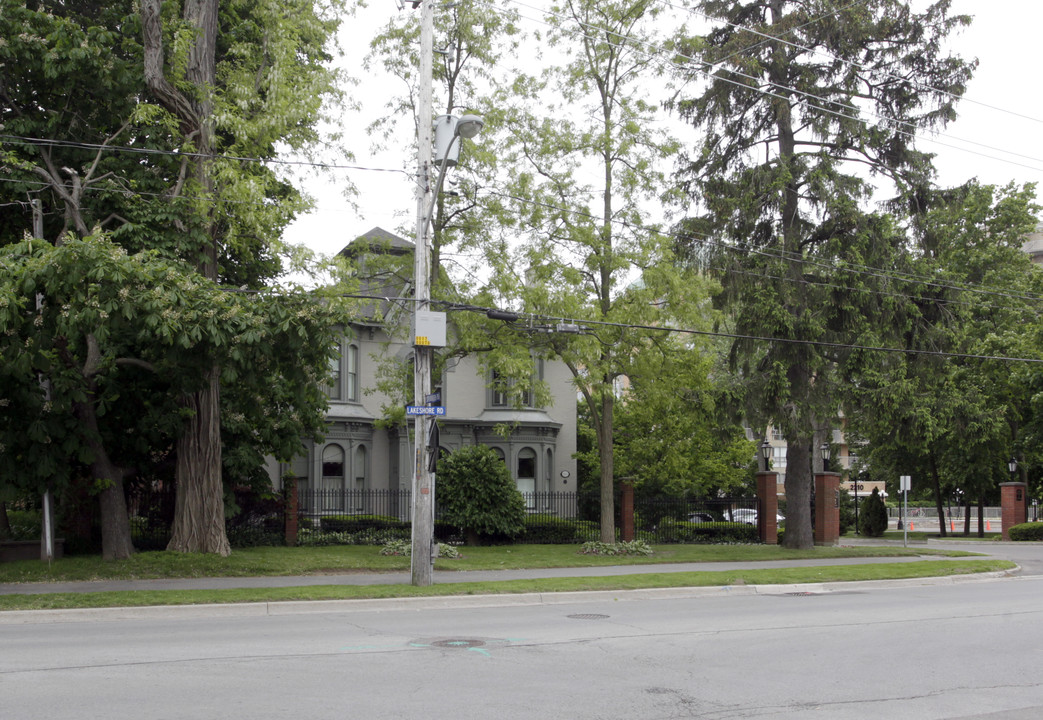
450,576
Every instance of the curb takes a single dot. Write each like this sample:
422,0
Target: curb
444,602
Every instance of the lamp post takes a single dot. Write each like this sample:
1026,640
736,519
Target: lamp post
824,451
766,452
422,553
1012,466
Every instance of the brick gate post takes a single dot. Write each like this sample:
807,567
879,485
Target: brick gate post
768,511
1014,505
827,508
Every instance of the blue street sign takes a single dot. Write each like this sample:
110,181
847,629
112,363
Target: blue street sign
420,410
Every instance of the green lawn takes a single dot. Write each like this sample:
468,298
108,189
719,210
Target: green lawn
364,558
774,576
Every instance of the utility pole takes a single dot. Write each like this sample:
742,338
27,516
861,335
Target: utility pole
47,524
421,559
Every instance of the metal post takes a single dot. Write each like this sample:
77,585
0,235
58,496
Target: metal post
421,563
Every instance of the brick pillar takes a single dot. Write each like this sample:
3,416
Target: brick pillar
768,511
626,508
827,508
1014,504
290,517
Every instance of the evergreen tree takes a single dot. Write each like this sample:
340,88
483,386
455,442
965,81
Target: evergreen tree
801,99
872,516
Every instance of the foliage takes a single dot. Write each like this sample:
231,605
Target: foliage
308,537
1031,531
551,529
718,533
354,523
872,516
847,511
787,228
633,547
567,248
405,547
477,494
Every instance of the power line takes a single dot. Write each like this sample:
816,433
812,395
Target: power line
707,70
48,142
778,38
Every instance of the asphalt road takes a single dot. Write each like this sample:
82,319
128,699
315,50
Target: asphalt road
965,650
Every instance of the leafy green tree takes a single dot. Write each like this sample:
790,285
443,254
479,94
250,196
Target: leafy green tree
477,494
157,146
802,103
955,421
568,249
872,516
118,326
670,433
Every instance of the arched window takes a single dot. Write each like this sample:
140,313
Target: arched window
525,477
332,477
359,469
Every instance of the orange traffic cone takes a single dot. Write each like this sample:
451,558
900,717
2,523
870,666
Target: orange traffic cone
988,526
911,526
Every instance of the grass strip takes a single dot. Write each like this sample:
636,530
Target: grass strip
283,561
773,576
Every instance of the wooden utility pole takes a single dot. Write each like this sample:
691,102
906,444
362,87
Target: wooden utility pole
422,561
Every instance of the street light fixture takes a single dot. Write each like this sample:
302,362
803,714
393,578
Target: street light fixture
824,450
766,452
1012,465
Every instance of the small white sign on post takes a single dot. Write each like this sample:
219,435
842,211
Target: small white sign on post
905,483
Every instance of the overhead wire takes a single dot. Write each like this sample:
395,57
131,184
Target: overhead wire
707,70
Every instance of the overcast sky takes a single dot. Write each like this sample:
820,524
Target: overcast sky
997,137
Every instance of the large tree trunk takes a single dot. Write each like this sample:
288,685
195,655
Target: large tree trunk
199,515
799,534
116,542
608,488
937,484
199,524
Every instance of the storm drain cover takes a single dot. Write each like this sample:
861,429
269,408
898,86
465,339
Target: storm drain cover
800,594
587,616
461,643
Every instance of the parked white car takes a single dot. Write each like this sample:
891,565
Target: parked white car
748,516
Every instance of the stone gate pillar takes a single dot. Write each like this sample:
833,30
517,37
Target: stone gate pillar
767,515
1014,505
827,508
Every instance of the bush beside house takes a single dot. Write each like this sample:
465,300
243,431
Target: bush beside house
477,495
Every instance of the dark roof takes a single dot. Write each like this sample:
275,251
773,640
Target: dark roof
377,240
387,279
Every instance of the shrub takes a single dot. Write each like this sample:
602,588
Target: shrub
405,547
1027,531
634,547
550,529
477,494
355,523
25,524
678,531
872,519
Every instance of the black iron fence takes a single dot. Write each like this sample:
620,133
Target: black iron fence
340,516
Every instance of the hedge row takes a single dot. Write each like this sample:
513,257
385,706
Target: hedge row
1027,531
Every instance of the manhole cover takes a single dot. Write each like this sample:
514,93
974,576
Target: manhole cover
461,643
588,616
